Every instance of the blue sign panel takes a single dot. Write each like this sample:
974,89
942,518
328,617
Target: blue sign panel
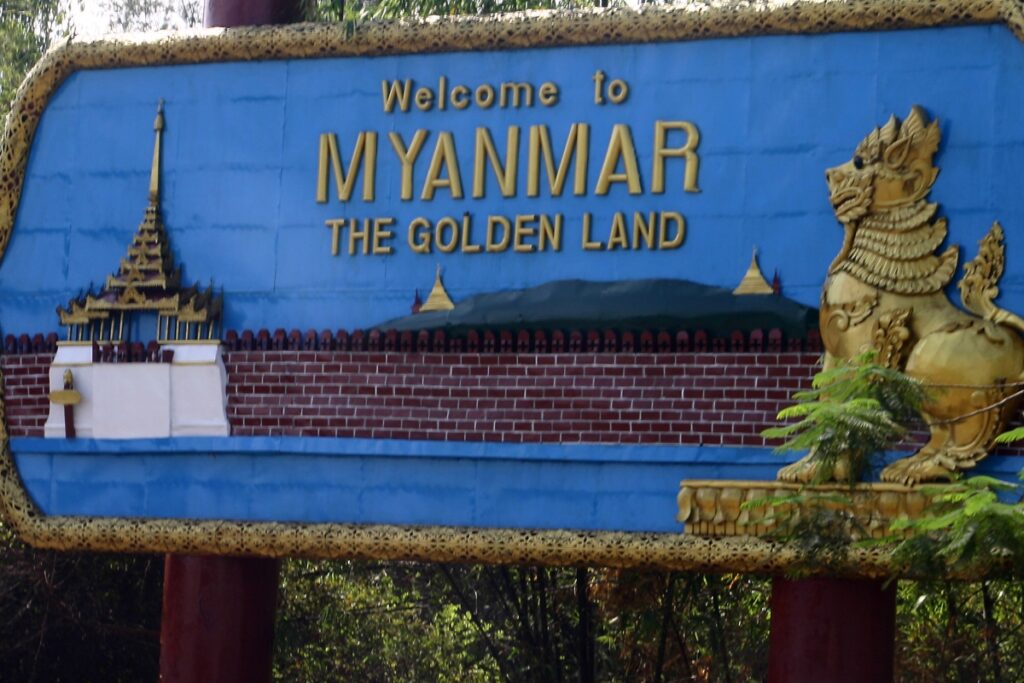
618,187
762,118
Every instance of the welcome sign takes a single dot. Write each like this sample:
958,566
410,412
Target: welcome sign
484,287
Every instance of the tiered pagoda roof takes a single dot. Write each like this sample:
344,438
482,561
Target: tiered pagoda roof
146,280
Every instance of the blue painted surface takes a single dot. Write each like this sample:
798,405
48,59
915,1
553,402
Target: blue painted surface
612,488
239,180
241,154
364,481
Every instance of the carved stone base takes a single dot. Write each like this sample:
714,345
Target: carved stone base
716,508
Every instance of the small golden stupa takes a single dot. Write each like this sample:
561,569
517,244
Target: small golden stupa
438,299
753,281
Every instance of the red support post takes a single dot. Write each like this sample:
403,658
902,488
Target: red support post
218,619
835,630
218,612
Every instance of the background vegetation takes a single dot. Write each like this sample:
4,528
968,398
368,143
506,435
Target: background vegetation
79,617
74,617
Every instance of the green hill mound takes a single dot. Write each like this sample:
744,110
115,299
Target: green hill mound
660,304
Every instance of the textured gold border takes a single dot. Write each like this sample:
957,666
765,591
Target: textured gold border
712,19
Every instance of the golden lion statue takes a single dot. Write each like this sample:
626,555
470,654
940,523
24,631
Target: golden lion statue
885,290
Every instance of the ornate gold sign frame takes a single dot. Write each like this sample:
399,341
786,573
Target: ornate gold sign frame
698,20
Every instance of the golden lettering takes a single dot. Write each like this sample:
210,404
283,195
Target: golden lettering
688,152
618,91
467,247
408,157
620,146
598,87
444,154
446,245
506,235
336,225
400,95
617,235
485,152
419,235
380,235
524,228
358,235
424,99
365,150
548,94
643,228
588,245
677,218
396,92
515,89
484,96
550,233
577,145
460,97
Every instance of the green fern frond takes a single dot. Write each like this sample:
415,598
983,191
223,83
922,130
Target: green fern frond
1011,436
851,411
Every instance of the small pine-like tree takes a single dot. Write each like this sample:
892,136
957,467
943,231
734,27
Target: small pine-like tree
853,413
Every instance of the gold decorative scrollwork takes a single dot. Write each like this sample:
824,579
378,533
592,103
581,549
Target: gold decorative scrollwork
892,332
843,316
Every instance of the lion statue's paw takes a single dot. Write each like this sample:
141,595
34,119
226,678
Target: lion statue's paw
810,469
800,472
923,466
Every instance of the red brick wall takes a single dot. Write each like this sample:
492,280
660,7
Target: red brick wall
672,398
26,390
688,398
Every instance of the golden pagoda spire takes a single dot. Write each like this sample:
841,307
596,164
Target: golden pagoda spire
753,281
438,299
154,172
146,280
149,263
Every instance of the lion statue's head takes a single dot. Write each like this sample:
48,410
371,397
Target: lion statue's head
891,168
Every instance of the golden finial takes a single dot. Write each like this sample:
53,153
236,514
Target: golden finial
154,173
68,396
438,299
753,281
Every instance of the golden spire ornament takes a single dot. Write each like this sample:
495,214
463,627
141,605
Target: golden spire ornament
154,172
438,299
753,281
146,280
